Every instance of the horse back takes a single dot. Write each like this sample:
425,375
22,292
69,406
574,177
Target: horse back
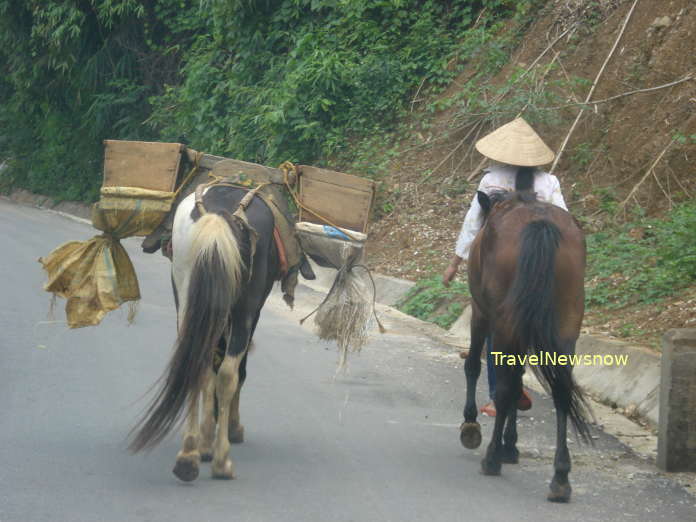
224,199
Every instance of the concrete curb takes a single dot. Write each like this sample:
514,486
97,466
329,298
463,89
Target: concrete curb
389,289
633,387
67,208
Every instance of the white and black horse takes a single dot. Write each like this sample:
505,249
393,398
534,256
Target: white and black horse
223,269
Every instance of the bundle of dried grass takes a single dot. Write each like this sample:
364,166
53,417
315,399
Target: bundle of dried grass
346,312
344,316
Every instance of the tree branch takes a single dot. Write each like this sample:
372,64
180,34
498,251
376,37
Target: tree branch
647,174
594,86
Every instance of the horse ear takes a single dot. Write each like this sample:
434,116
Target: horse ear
484,201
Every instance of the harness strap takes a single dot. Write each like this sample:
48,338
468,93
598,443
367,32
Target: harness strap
282,256
243,204
240,216
199,198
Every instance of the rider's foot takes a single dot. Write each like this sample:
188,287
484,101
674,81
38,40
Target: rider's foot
488,409
525,401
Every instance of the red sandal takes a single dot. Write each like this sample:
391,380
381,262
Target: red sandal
524,402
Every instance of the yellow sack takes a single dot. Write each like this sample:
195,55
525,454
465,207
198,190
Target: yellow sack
97,276
130,211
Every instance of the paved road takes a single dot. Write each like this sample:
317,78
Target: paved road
380,444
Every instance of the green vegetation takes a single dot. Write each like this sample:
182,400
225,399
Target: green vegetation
608,200
75,73
642,261
682,139
582,155
431,301
262,81
629,330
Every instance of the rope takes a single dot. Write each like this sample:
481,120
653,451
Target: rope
189,176
219,181
382,329
288,167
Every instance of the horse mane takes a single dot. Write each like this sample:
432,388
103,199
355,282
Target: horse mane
520,196
509,198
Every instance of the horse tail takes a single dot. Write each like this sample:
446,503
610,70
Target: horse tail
214,286
531,303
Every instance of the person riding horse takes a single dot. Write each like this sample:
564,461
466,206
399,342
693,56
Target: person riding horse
517,151
526,270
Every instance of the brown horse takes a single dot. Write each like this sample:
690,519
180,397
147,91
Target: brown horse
526,272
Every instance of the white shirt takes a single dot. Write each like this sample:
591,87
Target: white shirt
502,177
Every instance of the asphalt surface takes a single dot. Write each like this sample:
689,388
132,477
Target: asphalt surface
377,444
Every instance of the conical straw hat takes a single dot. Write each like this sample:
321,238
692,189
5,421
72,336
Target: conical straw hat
515,143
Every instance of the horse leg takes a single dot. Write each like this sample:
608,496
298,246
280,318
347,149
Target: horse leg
227,387
560,486
226,384
235,428
505,399
189,458
470,430
208,424
560,489
510,454
232,371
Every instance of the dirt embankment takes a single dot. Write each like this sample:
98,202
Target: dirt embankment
632,152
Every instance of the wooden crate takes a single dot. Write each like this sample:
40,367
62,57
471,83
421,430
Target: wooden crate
343,199
141,164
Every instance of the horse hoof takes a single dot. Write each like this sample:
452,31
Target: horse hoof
490,468
509,455
206,456
559,492
470,435
186,467
224,472
236,435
